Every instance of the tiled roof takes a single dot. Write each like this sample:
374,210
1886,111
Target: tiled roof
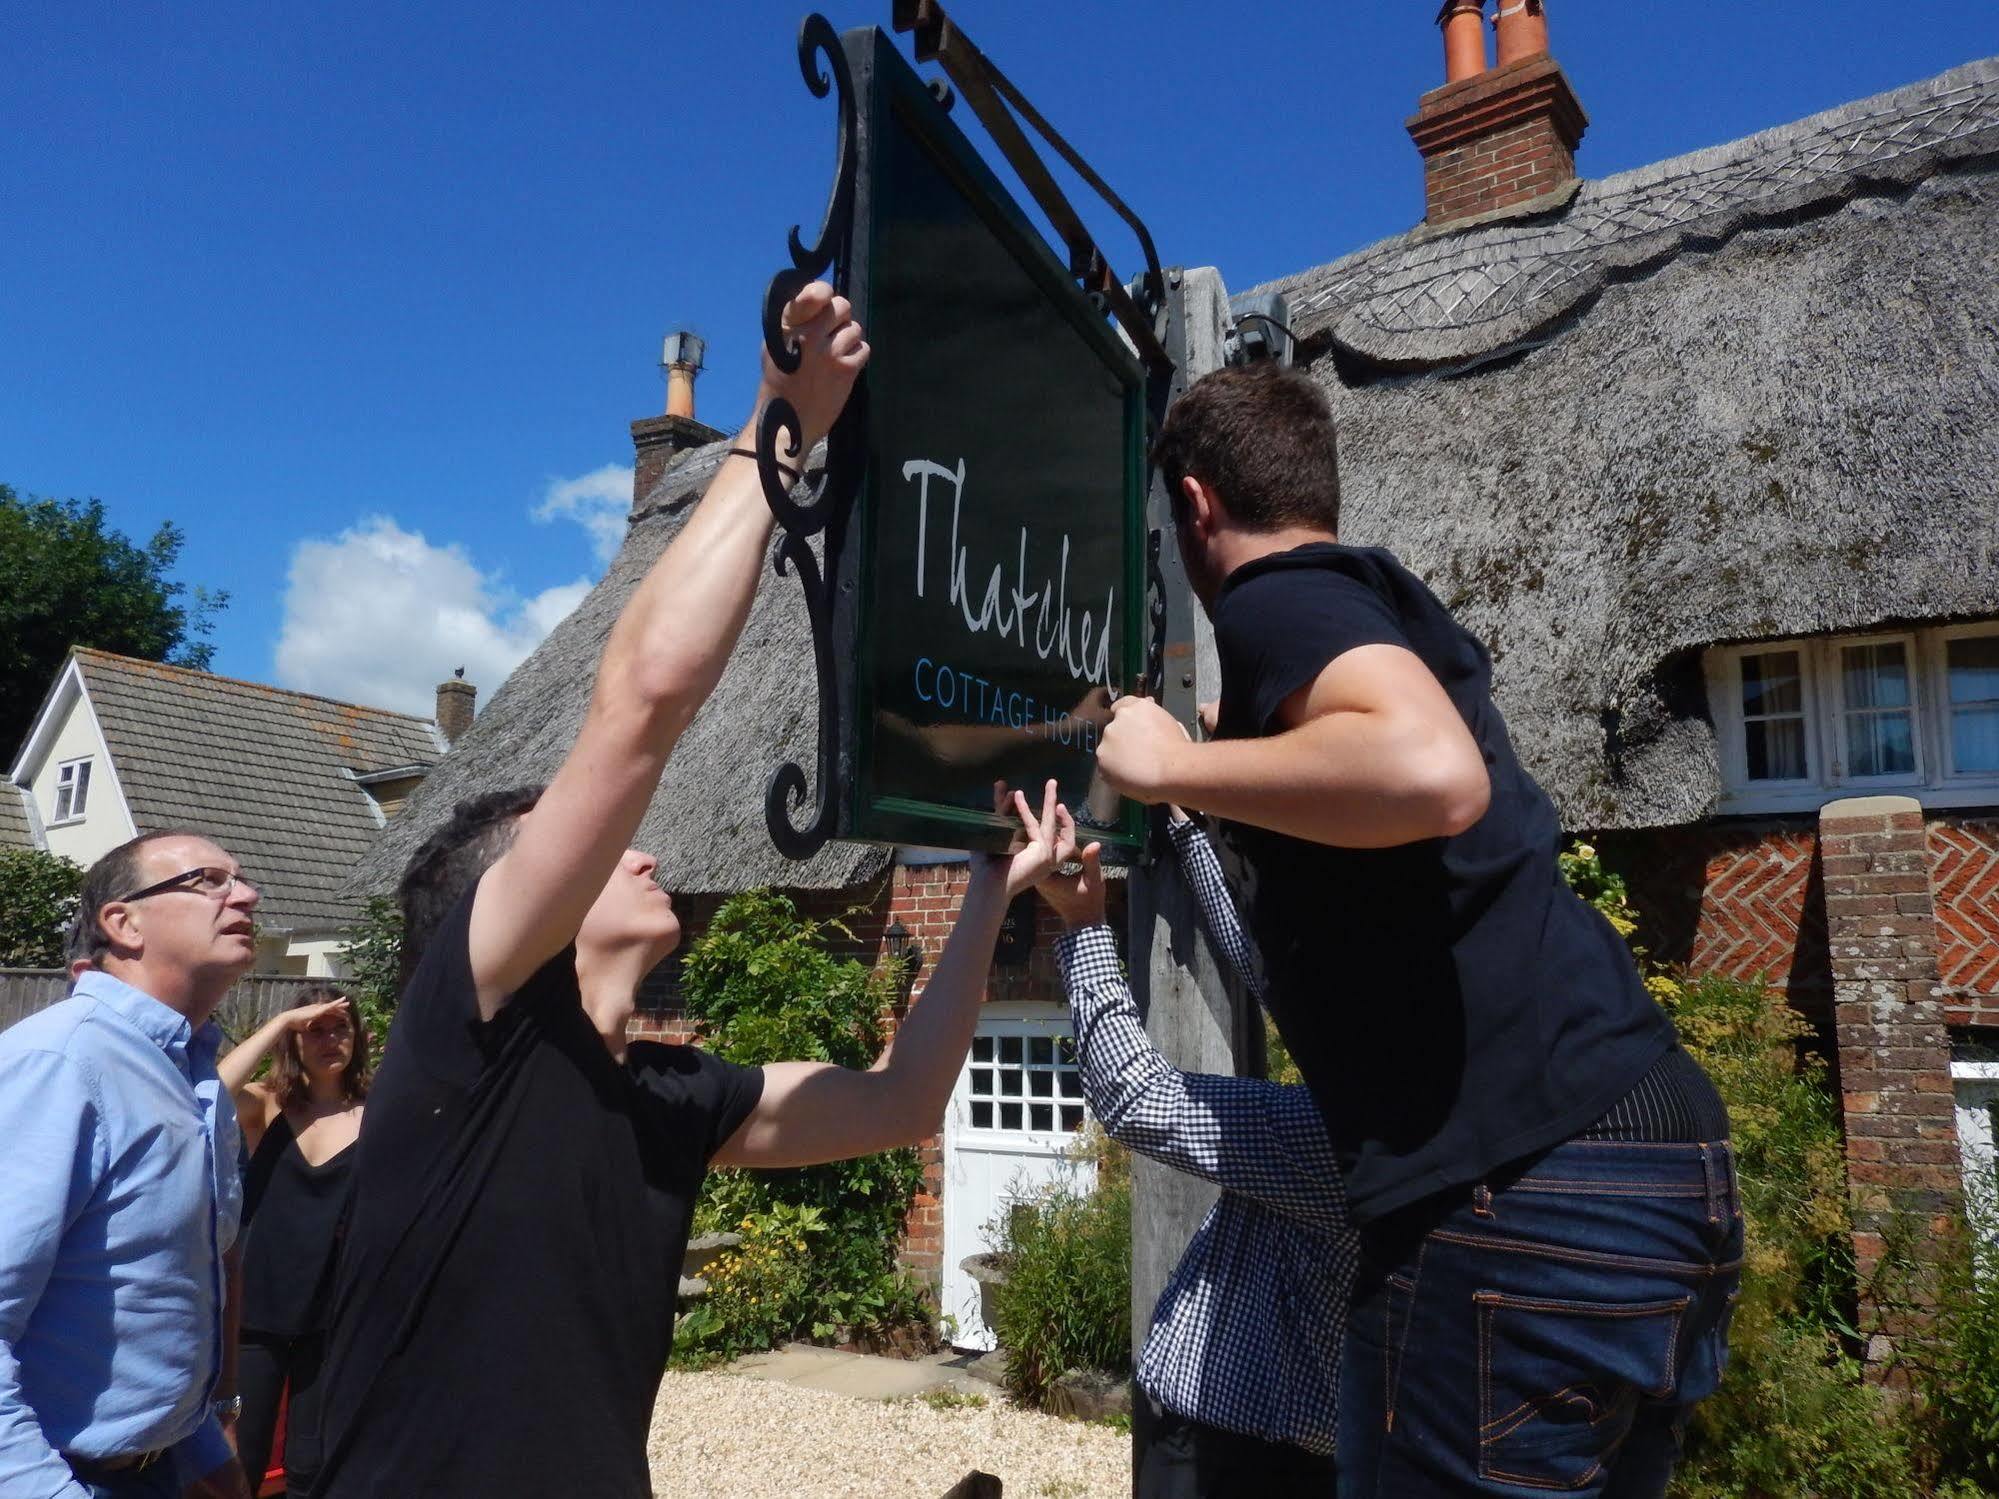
1424,299
267,773
15,831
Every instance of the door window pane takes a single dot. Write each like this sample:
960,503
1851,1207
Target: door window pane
1773,716
1880,727
1973,672
1028,1083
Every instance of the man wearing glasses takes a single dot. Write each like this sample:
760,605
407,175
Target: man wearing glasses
119,1192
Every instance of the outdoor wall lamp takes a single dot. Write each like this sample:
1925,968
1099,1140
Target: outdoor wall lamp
903,950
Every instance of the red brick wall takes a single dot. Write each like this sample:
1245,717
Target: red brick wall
1739,899
1497,140
1964,865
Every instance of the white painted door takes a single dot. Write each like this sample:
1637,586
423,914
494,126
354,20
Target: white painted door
1011,1127
1977,1086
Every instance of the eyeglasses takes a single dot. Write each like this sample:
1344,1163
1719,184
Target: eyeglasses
209,880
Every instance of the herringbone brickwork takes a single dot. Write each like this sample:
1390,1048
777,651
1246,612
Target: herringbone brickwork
1735,899
1964,870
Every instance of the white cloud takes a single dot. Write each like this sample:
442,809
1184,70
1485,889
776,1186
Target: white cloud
380,616
600,502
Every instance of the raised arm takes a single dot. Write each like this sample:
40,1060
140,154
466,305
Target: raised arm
242,1061
1261,1139
1203,874
815,1111
1372,753
663,658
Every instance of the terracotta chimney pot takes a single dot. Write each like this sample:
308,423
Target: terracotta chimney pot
1522,27
680,390
1464,39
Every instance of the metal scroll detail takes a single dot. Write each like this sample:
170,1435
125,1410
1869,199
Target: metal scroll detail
826,504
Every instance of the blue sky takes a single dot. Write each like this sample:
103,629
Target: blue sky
352,292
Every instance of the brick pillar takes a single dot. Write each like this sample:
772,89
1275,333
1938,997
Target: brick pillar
1888,1016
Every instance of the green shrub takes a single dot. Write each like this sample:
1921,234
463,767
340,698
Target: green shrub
818,1259
1066,1300
374,957
38,893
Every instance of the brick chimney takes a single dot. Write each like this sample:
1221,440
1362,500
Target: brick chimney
658,440
454,706
1497,141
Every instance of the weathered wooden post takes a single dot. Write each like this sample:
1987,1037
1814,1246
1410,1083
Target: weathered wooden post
1189,1010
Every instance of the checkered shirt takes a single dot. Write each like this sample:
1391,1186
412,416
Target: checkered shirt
1248,1332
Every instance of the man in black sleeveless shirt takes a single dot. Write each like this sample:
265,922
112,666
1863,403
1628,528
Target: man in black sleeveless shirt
1541,1174
526,1179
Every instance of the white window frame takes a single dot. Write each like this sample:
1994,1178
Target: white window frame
1055,1029
1834,667
1935,783
66,777
1939,671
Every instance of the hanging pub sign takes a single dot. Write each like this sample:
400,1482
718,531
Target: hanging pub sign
981,599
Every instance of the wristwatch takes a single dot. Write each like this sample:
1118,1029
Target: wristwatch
230,1409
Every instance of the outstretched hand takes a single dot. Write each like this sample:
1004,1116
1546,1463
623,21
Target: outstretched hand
1077,897
1039,844
832,349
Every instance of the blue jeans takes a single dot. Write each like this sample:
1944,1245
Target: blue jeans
157,1481
1549,1332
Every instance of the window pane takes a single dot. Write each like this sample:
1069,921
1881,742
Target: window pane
1770,683
1974,669
1776,749
1065,1050
1974,740
1010,1049
1879,744
1877,676
1010,1084
1072,1116
81,799
1009,1116
982,1116
982,1080
1041,1116
1040,1050
1041,1084
1072,1084
982,1048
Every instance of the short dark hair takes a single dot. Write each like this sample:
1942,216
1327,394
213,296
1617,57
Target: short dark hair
451,860
288,1070
1262,436
110,878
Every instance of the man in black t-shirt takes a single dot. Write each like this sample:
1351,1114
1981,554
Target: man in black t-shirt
506,1295
1541,1175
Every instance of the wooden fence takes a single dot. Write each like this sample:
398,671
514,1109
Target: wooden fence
256,999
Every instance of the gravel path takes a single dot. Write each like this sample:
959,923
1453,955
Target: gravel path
721,1436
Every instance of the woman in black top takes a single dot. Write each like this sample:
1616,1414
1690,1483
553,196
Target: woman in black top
299,1126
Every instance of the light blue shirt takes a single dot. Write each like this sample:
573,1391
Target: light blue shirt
118,1195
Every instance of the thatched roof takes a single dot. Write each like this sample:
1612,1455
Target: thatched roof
706,822
1750,393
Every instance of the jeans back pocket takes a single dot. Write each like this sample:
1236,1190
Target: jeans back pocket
1559,1382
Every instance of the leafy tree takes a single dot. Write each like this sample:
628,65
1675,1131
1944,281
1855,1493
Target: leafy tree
38,893
68,579
374,957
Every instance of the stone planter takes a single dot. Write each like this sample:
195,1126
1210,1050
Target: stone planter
701,1253
988,1270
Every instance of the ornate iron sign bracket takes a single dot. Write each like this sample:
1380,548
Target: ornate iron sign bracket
824,510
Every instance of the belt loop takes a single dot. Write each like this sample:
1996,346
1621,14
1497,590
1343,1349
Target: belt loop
1708,1174
1481,1201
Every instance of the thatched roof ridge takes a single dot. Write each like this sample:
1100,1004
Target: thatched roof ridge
1425,300
1795,434
706,822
